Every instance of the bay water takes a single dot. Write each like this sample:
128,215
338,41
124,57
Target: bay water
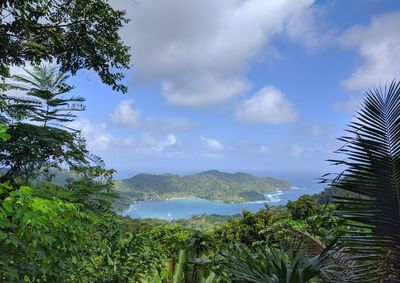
185,208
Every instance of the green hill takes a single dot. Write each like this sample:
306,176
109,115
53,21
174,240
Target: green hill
212,184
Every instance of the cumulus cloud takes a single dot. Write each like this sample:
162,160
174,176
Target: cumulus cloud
267,106
124,114
99,138
200,50
378,43
206,90
164,144
308,28
96,135
212,144
148,144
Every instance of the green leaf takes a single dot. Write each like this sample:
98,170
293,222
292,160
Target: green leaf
371,182
3,133
39,46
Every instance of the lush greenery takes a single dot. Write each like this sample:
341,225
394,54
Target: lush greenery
67,232
372,211
49,240
212,184
37,124
237,239
74,34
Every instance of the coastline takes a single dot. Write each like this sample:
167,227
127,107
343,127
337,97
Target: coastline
193,197
192,206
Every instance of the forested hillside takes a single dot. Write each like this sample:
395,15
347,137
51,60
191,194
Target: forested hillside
211,184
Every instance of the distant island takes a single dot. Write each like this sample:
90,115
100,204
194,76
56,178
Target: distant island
212,185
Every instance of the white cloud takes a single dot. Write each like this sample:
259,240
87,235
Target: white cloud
201,50
378,43
202,91
164,144
98,138
124,114
212,144
96,135
308,28
267,106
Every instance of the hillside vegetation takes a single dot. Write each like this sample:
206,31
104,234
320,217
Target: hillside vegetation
211,184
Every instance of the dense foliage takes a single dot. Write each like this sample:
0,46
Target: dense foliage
55,241
71,33
249,240
269,264
37,109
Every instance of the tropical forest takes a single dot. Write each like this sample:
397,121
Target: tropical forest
179,141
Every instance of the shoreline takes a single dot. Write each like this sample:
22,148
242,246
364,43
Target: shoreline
178,210
192,197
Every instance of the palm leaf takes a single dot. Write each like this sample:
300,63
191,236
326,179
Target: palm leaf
373,173
270,265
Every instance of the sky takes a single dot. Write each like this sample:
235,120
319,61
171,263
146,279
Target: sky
239,85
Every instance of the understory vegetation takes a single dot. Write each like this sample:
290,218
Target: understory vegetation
67,231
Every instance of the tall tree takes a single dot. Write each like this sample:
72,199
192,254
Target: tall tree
75,34
43,101
371,208
36,121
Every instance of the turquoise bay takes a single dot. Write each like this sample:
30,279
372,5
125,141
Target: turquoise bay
186,208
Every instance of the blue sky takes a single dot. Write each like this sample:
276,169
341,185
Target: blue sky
239,85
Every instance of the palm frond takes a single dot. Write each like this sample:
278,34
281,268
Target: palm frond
271,265
373,175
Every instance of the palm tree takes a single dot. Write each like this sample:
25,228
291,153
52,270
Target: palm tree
371,207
